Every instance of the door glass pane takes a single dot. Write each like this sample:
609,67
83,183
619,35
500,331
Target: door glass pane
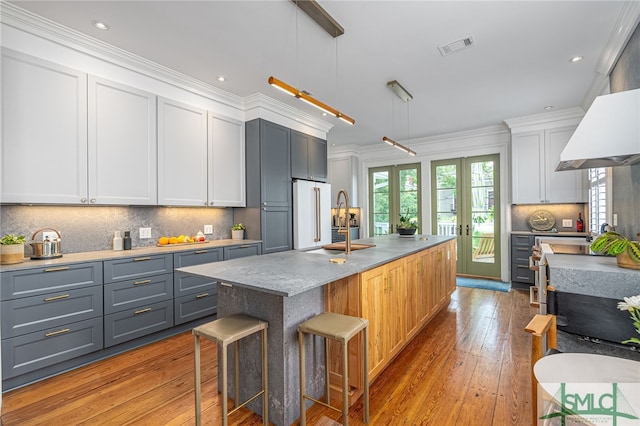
408,190
380,203
482,212
446,208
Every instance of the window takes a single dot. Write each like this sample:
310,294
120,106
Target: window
393,191
598,191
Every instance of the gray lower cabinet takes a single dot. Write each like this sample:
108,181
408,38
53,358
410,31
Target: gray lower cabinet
50,346
138,294
244,250
50,315
133,323
195,297
521,248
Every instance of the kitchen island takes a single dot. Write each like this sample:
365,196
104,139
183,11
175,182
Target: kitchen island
398,285
586,293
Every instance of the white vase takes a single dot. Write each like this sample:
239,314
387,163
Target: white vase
237,234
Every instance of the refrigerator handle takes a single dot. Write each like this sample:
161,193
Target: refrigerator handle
318,227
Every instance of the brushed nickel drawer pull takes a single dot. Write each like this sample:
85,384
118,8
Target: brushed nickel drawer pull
201,251
62,296
140,259
142,311
61,268
142,282
200,296
55,333
245,246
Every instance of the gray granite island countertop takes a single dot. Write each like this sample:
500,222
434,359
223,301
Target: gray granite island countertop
592,275
294,272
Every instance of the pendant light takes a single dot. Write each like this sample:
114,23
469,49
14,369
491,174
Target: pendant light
403,94
334,29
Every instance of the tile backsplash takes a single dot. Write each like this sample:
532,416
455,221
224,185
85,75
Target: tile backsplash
520,215
91,228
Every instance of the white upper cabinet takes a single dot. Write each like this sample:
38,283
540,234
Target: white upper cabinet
44,132
226,162
122,144
534,179
182,154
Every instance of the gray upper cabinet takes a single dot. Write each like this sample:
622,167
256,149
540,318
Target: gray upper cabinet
268,214
308,157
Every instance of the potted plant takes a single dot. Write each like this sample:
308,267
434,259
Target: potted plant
408,225
627,252
237,231
12,249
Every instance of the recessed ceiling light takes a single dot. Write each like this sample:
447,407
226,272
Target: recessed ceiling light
576,59
548,107
100,25
221,78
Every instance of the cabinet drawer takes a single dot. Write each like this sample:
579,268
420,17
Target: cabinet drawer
133,323
520,254
133,268
245,250
132,293
523,240
184,284
522,273
31,282
30,352
194,306
197,257
35,313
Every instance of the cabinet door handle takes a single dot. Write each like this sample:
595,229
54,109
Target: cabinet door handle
61,268
201,251
200,296
522,249
142,311
92,201
141,259
245,246
55,333
51,299
142,282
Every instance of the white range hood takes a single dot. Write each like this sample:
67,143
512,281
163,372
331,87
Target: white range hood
607,136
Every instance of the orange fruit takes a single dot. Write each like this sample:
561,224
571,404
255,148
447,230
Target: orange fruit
181,238
173,240
163,241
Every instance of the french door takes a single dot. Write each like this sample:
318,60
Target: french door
393,191
465,201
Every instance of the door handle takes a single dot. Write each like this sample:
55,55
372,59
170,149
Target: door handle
460,229
467,229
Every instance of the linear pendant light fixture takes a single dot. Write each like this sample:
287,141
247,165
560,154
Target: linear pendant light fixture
309,99
403,94
399,146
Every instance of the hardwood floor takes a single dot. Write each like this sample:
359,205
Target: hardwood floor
469,366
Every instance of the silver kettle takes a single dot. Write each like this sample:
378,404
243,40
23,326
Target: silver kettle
46,249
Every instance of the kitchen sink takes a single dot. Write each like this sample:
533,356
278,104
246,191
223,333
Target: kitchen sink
343,246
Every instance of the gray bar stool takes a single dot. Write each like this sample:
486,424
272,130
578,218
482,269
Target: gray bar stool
225,331
340,328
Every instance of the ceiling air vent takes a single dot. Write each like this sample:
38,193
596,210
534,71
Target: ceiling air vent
456,46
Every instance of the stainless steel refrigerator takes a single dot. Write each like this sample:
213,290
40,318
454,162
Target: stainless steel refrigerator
311,214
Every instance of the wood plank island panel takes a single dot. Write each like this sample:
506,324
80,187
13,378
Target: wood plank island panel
399,299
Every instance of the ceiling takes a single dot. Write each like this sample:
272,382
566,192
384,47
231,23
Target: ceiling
520,62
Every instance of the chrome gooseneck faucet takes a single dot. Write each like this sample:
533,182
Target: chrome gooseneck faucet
347,240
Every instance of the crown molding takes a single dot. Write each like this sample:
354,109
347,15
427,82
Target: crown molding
262,106
623,30
545,120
